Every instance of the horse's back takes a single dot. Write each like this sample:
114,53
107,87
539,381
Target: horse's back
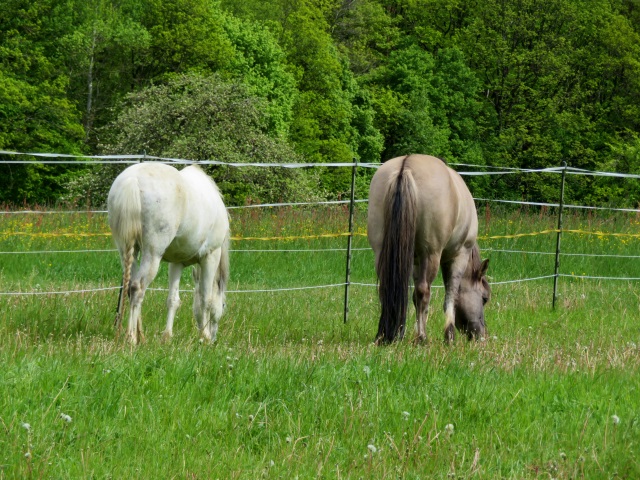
446,214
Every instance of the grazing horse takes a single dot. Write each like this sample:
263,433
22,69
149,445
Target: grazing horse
159,213
422,217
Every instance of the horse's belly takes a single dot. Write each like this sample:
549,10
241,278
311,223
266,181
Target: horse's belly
191,249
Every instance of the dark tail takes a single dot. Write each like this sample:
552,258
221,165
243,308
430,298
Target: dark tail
395,262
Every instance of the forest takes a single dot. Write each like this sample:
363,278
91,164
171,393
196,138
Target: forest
508,83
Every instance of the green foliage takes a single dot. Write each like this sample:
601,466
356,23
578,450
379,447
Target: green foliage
103,51
35,113
528,84
260,62
206,118
428,104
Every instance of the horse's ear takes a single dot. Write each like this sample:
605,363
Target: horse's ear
483,269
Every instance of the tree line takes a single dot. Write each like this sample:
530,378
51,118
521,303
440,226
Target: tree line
511,83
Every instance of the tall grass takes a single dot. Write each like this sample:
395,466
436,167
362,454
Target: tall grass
290,391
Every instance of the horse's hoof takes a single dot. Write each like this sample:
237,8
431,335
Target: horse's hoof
449,334
167,337
420,340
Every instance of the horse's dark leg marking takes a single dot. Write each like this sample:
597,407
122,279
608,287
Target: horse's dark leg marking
452,272
424,273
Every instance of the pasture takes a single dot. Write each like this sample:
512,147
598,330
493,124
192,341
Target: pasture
290,391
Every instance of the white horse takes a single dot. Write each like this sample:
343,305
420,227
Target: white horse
159,213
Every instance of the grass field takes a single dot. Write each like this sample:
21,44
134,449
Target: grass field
290,391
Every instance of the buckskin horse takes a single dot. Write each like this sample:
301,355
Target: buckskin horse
422,217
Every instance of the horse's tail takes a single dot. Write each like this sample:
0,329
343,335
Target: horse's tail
395,262
125,220
222,275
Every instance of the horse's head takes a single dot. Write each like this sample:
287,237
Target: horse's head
473,295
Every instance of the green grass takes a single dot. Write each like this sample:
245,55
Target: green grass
290,391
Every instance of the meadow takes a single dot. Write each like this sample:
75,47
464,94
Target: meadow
291,391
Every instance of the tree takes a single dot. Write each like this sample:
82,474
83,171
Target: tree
332,115
35,113
428,104
103,50
205,118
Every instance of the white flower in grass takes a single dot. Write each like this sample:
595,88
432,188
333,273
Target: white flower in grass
449,428
405,415
372,448
367,370
615,419
26,426
27,455
65,417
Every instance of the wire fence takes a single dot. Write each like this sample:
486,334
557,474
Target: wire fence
125,160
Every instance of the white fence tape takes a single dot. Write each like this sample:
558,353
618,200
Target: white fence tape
131,159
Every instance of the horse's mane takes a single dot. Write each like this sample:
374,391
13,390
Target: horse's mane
475,260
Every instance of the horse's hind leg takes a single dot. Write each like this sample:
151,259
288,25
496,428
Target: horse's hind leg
173,299
207,306
452,273
423,275
140,280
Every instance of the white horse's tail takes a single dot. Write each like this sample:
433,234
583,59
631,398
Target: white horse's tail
125,220
222,275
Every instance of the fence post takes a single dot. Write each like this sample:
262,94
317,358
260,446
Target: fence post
349,238
559,235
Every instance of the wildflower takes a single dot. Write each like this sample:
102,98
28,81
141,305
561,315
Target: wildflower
289,439
372,448
27,455
405,415
563,455
448,429
367,370
65,417
615,419
26,426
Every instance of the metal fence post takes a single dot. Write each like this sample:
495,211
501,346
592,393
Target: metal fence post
349,239
559,235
